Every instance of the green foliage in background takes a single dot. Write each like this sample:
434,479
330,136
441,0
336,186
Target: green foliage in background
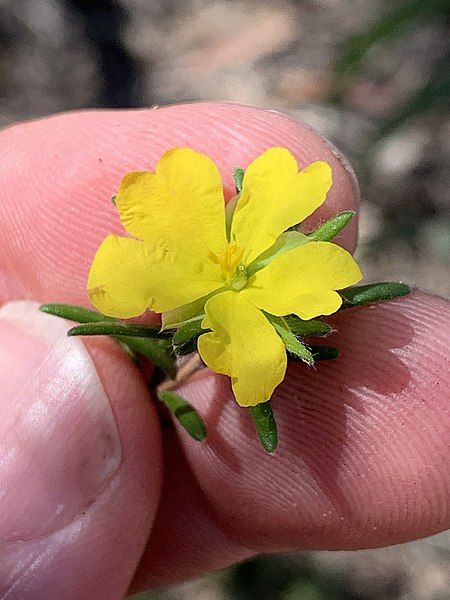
432,95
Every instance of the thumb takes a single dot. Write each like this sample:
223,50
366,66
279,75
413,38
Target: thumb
79,462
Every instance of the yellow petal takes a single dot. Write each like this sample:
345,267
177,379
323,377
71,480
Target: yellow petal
179,207
301,281
243,345
128,276
274,197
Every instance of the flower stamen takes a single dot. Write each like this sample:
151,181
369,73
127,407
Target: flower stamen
230,265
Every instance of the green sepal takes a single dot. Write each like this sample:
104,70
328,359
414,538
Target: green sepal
238,178
74,313
118,328
293,345
329,230
229,213
286,241
172,319
185,338
312,327
265,426
373,292
185,414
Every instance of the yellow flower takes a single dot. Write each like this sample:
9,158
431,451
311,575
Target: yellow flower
185,259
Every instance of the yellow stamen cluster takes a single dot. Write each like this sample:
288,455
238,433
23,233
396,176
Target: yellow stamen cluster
228,261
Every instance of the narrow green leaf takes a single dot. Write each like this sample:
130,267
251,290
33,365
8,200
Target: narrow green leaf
293,345
311,327
185,338
118,328
373,292
286,241
324,352
265,426
185,413
158,351
74,313
238,177
113,199
330,229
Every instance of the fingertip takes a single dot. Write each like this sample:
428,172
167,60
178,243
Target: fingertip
362,458
82,484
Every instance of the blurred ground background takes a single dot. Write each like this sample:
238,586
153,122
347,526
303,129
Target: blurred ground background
371,75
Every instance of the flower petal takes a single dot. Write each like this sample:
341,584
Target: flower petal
302,281
180,207
274,197
243,345
128,276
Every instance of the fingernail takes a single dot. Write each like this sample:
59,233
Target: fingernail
59,445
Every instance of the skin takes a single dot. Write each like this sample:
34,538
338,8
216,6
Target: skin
99,497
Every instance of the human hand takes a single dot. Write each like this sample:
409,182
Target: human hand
93,495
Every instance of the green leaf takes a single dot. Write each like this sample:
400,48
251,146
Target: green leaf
373,292
185,338
118,328
286,241
74,313
185,413
432,95
330,229
312,327
324,352
238,177
390,25
293,345
265,426
113,199
158,351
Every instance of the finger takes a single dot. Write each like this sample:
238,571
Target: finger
55,211
186,541
362,459
80,462
57,175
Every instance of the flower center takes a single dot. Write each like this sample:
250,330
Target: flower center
233,272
